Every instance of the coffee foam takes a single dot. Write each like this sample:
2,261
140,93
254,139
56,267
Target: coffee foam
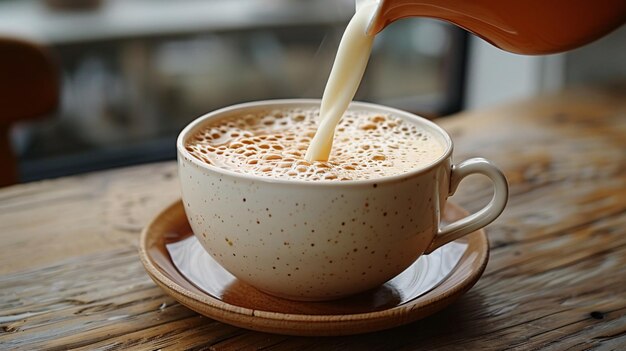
273,144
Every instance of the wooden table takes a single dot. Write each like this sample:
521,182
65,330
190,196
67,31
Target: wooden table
70,276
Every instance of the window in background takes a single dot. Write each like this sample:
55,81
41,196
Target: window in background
136,72
600,62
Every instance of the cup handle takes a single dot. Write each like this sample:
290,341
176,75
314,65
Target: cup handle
481,218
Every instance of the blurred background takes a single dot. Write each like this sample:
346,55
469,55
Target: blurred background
133,73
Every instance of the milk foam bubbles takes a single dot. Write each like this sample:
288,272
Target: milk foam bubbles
367,145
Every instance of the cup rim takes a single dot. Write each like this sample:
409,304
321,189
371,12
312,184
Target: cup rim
280,103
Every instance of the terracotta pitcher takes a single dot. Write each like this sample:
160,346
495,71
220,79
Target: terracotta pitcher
523,27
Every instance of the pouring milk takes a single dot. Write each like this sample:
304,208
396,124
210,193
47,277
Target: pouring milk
345,76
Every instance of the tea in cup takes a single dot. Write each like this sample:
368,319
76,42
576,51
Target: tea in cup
322,230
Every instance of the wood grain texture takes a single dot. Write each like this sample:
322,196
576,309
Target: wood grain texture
70,276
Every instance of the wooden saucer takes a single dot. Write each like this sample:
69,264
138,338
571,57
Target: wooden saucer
242,305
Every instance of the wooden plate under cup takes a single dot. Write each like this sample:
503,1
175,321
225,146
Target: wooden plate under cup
244,306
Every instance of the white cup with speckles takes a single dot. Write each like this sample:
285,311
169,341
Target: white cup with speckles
322,240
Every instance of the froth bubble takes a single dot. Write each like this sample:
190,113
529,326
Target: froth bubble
366,145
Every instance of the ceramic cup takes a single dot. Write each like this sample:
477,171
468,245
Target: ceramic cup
321,240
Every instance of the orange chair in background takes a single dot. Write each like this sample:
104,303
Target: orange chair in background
29,89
